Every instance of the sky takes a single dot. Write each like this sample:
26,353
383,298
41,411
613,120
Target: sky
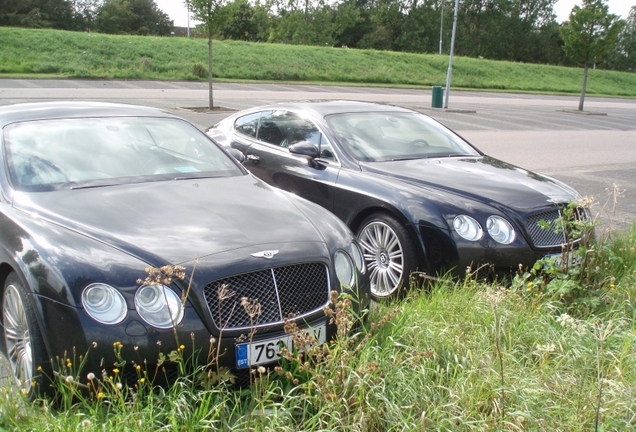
178,13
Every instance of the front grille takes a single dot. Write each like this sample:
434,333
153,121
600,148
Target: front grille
544,228
272,295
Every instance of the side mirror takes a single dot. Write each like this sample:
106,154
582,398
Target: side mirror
304,148
237,154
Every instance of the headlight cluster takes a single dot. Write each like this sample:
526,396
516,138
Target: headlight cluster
358,257
345,268
104,303
158,305
499,229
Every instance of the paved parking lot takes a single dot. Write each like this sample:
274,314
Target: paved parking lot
593,151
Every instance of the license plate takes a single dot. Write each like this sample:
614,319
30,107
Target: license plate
268,350
574,259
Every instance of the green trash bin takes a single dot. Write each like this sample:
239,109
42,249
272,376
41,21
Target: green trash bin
438,96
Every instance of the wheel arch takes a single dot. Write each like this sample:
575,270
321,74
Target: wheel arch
5,270
357,220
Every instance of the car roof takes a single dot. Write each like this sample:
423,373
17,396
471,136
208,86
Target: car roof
324,108
74,109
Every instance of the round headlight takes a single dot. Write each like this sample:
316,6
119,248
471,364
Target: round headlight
344,269
159,306
468,227
104,303
358,257
500,230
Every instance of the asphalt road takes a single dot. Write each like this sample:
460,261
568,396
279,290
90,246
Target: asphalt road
594,152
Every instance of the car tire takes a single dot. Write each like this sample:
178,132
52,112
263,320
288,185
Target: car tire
22,341
389,254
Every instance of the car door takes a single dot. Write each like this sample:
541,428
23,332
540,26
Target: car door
267,154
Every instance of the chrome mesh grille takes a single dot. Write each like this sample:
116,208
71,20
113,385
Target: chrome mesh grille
280,291
552,235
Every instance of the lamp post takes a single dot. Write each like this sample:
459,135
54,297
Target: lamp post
441,26
188,4
450,58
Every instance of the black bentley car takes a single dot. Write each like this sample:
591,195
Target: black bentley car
96,198
418,196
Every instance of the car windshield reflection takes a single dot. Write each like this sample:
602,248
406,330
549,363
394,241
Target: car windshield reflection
97,152
391,136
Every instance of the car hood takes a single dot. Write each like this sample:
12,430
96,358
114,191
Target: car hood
481,178
176,221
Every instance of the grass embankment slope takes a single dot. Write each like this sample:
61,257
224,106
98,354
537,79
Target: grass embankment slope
53,53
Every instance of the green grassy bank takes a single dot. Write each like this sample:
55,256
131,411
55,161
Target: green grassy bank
53,53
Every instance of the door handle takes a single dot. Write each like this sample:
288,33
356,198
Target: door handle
253,158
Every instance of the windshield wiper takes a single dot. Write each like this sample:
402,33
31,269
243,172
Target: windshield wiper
430,156
195,177
406,158
92,185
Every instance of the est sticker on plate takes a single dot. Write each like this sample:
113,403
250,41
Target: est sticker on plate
268,350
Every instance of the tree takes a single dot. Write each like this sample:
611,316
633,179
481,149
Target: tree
36,13
590,33
139,17
206,11
84,12
623,57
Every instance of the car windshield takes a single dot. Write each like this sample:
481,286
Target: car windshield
389,136
92,152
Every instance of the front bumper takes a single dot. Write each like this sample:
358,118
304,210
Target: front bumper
135,352
446,251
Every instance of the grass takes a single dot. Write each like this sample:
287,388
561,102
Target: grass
54,53
459,356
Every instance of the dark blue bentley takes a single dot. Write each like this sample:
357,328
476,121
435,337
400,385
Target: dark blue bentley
127,227
418,196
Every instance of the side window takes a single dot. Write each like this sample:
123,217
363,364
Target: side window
284,128
247,125
269,129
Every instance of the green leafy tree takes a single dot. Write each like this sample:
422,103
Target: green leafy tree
84,12
353,23
589,35
36,13
141,17
502,29
242,20
207,11
623,56
306,26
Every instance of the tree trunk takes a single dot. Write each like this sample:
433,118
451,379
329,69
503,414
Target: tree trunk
211,99
582,100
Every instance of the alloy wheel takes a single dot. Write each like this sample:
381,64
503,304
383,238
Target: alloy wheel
384,257
17,337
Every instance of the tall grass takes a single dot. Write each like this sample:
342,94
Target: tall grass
456,356
54,53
